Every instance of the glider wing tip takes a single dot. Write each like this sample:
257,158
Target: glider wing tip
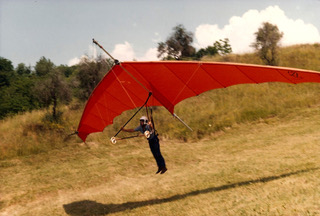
82,136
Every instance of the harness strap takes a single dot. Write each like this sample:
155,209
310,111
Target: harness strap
150,117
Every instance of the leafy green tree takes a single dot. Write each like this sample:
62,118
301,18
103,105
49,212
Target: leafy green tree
66,70
6,72
16,90
89,75
52,89
23,89
221,47
22,69
210,50
267,38
6,77
18,97
43,67
178,45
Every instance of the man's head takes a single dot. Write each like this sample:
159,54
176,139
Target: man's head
143,120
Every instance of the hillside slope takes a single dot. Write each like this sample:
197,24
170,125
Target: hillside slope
305,56
27,134
254,151
266,168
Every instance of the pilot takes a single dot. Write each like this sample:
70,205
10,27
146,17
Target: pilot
147,129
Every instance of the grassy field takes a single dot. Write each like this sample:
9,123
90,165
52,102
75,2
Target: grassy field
254,151
268,167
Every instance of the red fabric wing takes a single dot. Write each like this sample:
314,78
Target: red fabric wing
126,86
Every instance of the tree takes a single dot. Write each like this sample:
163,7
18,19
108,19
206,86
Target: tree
18,97
66,70
43,66
52,89
15,89
90,72
178,45
210,50
221,47
22,69
6,72
6,77
266,44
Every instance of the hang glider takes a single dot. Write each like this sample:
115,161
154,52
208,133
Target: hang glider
128,84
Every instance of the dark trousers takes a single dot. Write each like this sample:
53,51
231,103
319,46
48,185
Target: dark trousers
155,149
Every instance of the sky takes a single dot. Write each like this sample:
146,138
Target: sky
62,30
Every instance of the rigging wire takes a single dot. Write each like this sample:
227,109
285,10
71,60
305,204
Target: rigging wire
116,62
135,79
133,115
124,89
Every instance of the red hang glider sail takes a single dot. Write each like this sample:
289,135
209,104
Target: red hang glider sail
128,84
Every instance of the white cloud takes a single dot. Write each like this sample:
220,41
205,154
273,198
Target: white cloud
91,55
92,51
122,52
240,30
77,60
125,52
74,61
151,55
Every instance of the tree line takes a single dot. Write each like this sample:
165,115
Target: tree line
179,45
46,85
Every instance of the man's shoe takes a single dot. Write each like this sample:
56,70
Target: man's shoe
164,169
159,170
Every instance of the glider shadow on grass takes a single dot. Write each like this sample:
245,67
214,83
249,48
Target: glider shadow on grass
88,207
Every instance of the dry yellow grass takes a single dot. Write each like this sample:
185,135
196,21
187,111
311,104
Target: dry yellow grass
266,168
254,151
27,133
